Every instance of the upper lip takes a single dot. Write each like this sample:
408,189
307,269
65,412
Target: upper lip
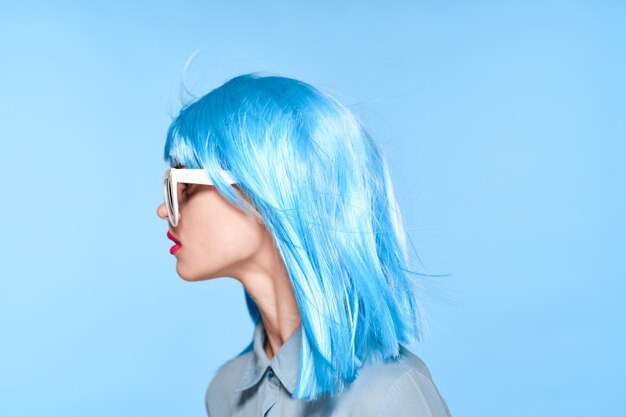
171,236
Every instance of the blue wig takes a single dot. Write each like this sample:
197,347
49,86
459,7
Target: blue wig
321,185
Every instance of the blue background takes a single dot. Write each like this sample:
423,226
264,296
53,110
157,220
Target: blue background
504,127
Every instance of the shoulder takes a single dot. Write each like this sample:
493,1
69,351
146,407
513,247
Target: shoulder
412,392
380,375
219,393
398,388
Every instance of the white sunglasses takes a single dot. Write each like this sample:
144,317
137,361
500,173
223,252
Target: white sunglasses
175,176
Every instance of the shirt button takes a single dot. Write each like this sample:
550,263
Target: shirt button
271,373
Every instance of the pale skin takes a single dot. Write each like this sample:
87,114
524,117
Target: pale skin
220,240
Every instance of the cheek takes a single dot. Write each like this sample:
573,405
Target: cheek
220,234
231,236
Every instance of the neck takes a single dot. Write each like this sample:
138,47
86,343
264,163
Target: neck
267,281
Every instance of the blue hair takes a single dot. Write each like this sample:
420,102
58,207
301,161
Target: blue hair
321,185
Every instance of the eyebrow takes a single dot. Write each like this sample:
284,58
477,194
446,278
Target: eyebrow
179,166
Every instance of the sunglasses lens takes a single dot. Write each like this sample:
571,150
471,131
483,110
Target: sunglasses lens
169,203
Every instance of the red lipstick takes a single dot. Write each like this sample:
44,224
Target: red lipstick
177,246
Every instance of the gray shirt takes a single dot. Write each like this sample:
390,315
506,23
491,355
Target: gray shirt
253,385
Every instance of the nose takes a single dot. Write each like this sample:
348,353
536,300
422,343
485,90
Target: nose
162,211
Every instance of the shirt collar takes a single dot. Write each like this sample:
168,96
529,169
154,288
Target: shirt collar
285,363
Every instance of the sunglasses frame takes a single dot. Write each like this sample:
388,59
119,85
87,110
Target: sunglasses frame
173,176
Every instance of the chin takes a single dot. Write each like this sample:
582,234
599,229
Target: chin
186,275
189,276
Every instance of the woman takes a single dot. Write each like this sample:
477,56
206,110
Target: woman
278,186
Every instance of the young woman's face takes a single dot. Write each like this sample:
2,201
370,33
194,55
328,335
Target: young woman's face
217,238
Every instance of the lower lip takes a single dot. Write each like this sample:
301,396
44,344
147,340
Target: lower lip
175,249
